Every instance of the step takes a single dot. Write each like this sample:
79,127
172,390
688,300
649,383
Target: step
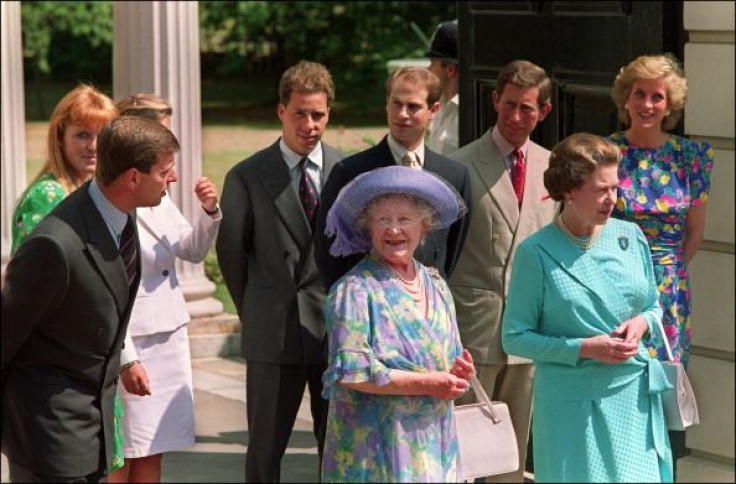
694,468
214,336
221,323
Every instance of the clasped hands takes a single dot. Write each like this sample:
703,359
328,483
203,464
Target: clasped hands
619,346
453,384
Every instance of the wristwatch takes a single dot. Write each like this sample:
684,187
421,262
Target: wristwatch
212,212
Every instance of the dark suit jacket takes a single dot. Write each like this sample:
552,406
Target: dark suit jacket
441,248
65,310
266,254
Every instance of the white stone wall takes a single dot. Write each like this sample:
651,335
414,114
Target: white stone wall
709,115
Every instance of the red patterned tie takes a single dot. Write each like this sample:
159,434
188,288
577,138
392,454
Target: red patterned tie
518,174
307,192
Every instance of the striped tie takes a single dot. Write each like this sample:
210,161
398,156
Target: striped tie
128,251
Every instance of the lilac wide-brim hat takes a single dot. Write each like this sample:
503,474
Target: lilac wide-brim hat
356,195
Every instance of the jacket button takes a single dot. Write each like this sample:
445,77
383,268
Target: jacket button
100,331
165,273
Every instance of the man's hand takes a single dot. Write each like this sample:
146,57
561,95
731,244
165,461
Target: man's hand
135,380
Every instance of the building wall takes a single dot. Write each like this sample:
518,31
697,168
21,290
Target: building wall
709,115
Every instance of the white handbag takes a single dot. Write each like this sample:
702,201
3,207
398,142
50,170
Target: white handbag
486,437
680,407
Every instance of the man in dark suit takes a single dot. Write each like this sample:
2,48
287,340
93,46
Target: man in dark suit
266,254
66,302
412,101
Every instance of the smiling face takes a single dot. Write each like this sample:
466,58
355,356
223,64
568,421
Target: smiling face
518,112
592,203
647,104
303,121
396,227
408,112
79,148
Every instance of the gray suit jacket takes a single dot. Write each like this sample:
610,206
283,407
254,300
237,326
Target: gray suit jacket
497,226
265,249
65,309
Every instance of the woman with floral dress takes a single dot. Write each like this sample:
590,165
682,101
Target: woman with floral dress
664,182
395,359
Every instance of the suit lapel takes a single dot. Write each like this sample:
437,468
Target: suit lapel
491,169
277,183
104,254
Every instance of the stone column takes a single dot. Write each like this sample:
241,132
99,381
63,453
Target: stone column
13,120
156,50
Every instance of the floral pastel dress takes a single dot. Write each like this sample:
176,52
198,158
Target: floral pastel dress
374,326
657,187
39,199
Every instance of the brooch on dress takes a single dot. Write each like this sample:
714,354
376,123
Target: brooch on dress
623,242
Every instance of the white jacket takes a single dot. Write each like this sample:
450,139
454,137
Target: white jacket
165,235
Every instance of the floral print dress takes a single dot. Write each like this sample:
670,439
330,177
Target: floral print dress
374,326
657,187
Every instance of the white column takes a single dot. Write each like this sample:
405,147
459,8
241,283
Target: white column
156,50
13,120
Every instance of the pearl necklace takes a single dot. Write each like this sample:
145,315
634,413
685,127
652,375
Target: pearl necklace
414,287
583,243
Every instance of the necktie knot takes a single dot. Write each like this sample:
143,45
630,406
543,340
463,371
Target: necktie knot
518,174
411,160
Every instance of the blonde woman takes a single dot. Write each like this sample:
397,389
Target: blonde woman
156,374
664,187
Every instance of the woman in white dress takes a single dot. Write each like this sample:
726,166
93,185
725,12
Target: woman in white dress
156,359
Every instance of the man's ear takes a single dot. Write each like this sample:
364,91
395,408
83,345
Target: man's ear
433,108
544,111
131,177
494,99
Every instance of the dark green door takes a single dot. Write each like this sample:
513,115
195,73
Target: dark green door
581,45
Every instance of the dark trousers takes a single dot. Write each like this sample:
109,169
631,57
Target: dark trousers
21,474
273,395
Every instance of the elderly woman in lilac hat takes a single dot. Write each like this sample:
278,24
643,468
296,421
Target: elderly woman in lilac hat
395,358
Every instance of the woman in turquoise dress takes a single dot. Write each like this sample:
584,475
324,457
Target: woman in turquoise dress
582,296
71,147
664,183
395,359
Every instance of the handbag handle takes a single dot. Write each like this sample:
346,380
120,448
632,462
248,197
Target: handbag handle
666,342
481,395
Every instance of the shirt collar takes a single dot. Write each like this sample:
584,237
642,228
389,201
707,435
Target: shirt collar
115,218
504,147
292,159
399,151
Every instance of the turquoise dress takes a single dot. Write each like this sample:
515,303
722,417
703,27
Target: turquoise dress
39,199
656,189
374,326
593,421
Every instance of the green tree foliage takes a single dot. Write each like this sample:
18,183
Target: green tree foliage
45,24
354,39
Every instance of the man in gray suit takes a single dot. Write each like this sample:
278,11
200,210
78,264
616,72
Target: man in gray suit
509,203
66,301
266,254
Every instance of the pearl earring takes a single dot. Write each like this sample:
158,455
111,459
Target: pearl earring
626,106
667,113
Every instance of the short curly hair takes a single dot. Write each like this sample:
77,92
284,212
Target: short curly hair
664,67
573,159
306,77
